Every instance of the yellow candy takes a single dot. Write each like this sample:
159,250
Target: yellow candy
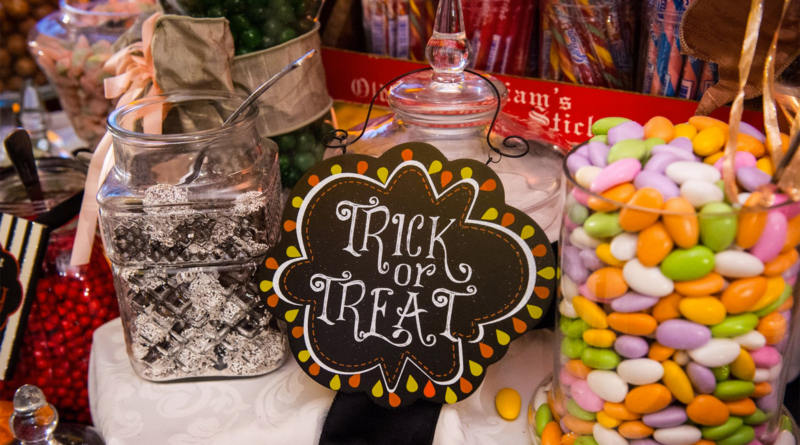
599,338
708,141
590,312
685,130
704,310
508,403
775,287
677,381
607,421
743,368
765,165
711,160
603,252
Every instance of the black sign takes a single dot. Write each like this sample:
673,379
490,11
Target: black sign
407,275
10,289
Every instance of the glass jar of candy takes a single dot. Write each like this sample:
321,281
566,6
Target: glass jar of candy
72,46
188,212
301,149
71,301
675,304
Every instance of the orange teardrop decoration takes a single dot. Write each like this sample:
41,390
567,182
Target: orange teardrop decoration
313,369
297,331
355,380
313,180
541,292
539,251
289,226
429,390
446,178
362,167
519,325
407,154
271,263
489,185
272,300
507,220
486,350
466,386
394,399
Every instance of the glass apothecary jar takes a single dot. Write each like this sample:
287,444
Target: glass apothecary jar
187,216
71,301
453,111
72,45
676,306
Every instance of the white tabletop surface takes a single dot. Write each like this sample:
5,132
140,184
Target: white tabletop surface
286,406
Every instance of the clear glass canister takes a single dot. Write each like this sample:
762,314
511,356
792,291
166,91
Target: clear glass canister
71,302
72,45
187,216
675,305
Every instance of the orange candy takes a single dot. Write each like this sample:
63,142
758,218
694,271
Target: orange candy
635,429
751,224
607,282
551,435
741,407
772,327
705,442
577,425
781,263
659,127
762,389
701,287
636,220
742,294
578,369
745,142
667,308
620,193
659,352
619,411
703,122
786,306
569,438
632,324
792,234
682,228
648,399
707,410
654,245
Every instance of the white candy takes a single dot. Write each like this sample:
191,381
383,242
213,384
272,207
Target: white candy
606,436
683,171
640,371
679,435
751,341
585,175
623,246
717,352
762,375
566,309
785,438
647,280
775,372
569,289
733,264
540,398
700,193
579,238
607,385
680,357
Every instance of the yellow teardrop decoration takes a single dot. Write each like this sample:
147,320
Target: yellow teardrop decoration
383,174
490,214
535,311
450,396
291,315
377,390
527,232
548,273
435,167
502,337
304,356
475,368
292,252
411,384
336,169
335,383
466,172
265,286
297,202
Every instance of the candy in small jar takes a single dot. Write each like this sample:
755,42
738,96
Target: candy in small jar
676,303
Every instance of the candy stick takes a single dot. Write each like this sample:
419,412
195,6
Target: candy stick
403,29
651,54
416,29
546,44
594,29
520,54
708,78
481,40
575,64
511,37
670,76
690,78
391,29
500,24
620,37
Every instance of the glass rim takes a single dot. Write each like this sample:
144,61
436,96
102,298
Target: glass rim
45,166
247,118
623,205
66,6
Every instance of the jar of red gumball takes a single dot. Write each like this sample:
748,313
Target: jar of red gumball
70,302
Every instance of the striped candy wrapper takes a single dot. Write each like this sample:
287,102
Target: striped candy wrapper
499,28
690,79
708,78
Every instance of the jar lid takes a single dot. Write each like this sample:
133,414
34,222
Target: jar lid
447,96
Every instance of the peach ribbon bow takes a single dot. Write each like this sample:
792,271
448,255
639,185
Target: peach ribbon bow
135,72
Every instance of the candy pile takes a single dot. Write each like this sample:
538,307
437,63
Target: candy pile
675,307
301,149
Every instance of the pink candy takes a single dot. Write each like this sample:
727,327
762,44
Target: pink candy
773,237
580,196
619,172
766,357
585,398
742,159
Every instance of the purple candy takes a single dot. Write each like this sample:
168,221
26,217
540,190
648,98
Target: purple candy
633,302
564,428
572,265
582,150
576,161
677,151
658,163
741,159
765,357
658,181
748,129
630,346
644,442
751,178
590,259
682,334
668,417
682,142
625,130
598,153
702,378
769,402
760,431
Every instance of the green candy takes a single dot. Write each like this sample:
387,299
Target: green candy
577,213
577,411
304,161
601,138
603,125
718,226
573,327
722,431
757,418
251,38
286,35
542,418
585,440
600,358
721,372
650,143
786,423
688,264
787,292
602,225
734,389
735,325
573,347
742,436
628,148
721,185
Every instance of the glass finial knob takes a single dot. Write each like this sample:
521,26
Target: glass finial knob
448,50
34,420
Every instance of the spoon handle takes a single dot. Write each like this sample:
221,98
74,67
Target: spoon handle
20,152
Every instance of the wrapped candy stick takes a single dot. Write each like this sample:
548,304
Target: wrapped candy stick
690,79
482,38
592,24
499,25
572,55
417,34
708,77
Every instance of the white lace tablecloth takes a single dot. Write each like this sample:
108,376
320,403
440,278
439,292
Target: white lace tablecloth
284,407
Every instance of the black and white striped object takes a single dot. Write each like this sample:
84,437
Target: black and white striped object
23,245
